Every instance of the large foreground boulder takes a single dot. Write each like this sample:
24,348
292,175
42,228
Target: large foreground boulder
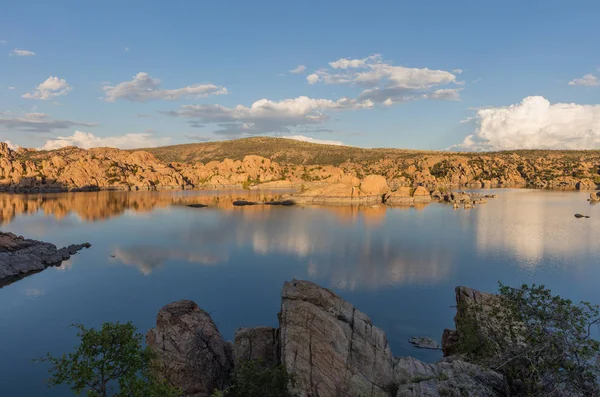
192,351
330,347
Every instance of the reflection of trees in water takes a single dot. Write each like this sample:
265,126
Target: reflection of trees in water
352,247
93,206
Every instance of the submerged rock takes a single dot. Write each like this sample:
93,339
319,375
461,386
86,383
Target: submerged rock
193,353
19,256
581,216
197,205
423,342
243,203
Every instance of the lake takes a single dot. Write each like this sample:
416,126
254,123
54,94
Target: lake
398,265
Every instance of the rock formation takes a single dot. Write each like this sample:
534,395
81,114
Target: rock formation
19,256
329,347
351,191
408,196
276,163
191,349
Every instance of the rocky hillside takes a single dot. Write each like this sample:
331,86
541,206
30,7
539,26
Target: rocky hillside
277,163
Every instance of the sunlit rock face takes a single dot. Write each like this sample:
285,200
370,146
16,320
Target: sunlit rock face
371,172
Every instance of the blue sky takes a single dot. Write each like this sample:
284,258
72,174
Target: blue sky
413,74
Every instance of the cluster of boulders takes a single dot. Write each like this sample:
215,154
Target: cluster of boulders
19,256
328,347
374,189
28,170
595,197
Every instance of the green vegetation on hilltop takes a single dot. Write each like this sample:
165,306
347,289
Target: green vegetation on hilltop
278,149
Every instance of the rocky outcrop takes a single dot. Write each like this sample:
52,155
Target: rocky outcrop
350,191
329,348
408,196
19,256
449,377
474,325
595,197
194,355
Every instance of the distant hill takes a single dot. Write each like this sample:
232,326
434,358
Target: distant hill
297,152
277,149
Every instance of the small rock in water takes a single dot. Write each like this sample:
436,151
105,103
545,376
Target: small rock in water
581,216
285,203
423,342
242,203
197,205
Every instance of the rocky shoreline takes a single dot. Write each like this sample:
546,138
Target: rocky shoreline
328,346
74,169
20,257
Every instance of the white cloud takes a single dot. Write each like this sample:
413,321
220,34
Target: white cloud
86,140
446,94
314,140
51,88
344,63
22,53
37,122
312,78
589,80
126,49
3,42
385,83
11,145
143,88
457,71
265,116
298,70
535,124
11,88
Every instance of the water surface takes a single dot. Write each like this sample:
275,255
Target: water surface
399,265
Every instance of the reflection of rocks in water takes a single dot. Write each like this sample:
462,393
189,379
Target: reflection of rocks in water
533,225
93,206
366,255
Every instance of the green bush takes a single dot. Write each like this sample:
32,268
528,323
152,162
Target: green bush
253,378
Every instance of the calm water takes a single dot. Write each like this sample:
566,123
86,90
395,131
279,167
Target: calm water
400,266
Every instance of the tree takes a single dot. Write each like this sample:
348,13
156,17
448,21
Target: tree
541,343
109,362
